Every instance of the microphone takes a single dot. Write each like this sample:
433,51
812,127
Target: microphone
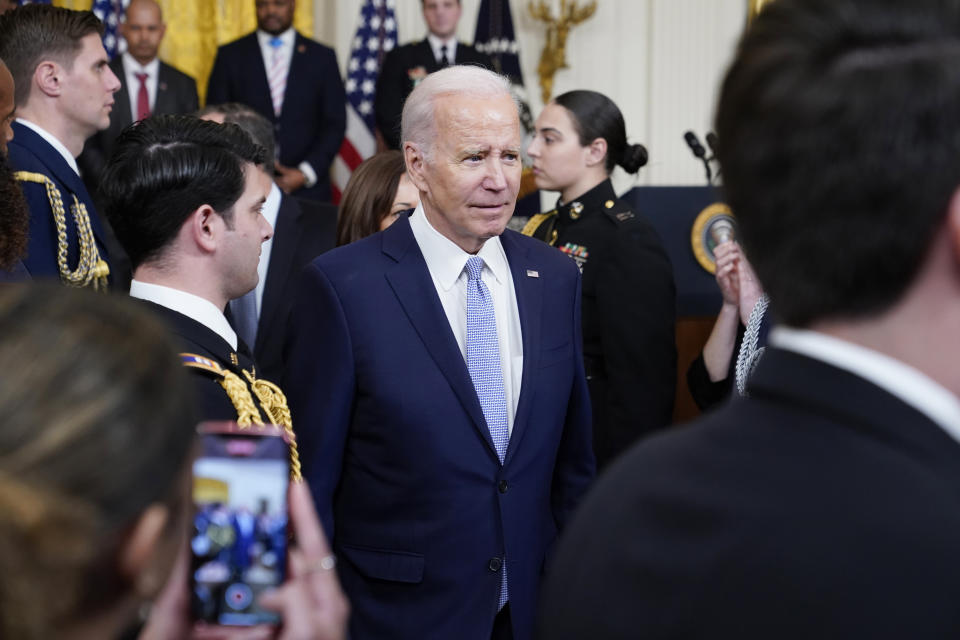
712,142
694,143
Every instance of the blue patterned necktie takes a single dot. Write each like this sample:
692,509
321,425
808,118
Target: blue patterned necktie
483,363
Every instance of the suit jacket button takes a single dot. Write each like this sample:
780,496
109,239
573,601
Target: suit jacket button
503,486
494,565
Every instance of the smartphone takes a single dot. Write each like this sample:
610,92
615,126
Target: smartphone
239,536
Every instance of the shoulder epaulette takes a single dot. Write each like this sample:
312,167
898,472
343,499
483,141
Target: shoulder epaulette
194,361
92,270
542,227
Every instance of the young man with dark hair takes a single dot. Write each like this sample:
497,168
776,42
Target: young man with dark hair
825,504
302,230
185,197
64,94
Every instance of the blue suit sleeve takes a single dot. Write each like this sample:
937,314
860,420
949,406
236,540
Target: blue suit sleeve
320,383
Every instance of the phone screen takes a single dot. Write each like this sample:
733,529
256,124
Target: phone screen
239,537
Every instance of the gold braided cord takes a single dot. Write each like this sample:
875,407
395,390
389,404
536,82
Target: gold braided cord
274,404
91,271
239,394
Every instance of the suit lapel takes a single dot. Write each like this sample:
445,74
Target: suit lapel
165,100
425,56
529,293
282,255
121,99
297,70
410,281
260,99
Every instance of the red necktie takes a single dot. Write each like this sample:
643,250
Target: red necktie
143,98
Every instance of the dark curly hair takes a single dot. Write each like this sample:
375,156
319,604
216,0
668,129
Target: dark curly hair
14,218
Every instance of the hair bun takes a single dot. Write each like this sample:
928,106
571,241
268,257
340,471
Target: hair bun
634,157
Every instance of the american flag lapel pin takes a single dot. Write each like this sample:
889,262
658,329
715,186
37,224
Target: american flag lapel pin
533,274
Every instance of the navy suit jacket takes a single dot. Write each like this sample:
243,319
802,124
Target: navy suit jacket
29,152
303,231
314,114
397,451
822,506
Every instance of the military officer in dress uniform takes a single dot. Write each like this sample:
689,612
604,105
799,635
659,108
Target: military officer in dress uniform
629,297
185,197
64,95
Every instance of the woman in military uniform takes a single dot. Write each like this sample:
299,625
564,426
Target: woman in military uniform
629,297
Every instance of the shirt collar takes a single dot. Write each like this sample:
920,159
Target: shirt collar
271,208
436,43
131,65
445,260
898,378
195,307
53,142
286,37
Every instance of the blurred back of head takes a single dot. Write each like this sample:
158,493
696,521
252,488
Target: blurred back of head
14,217
97,426
838,138
368,196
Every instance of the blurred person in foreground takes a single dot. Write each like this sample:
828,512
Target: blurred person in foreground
379,190
825,504
14,214
436,371
82,545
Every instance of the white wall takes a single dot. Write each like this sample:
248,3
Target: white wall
661,61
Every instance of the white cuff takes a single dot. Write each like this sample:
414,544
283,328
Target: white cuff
308,173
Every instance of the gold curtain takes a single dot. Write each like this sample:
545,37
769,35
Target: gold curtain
195,28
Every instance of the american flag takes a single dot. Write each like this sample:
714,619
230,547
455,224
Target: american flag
376,35
109,12
496,38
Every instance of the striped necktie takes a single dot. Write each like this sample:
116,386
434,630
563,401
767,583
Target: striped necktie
277,74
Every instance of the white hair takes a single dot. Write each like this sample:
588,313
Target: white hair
418,122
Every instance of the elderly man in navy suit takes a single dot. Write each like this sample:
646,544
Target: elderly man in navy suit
295,82
827,503
437,375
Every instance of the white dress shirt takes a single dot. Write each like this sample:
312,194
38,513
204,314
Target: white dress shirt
898,378
436,43
200,309
288,38
130,69
56,144
446,262
271,208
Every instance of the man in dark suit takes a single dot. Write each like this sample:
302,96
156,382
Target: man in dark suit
185,196
147,86
295,82
64,94
406,66
302,230
437,375
826,504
